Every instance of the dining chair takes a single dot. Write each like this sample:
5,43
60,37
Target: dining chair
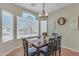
28,51
44,50
50,46
47,49
54,45
57,45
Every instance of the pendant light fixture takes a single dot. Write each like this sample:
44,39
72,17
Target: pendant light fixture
44,14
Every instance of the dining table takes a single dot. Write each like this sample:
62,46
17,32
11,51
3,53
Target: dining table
38,43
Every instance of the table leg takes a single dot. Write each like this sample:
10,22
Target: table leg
38,52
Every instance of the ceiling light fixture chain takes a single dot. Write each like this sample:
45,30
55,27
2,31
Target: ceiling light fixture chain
43,15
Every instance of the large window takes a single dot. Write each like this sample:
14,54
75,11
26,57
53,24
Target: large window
7,26
27,26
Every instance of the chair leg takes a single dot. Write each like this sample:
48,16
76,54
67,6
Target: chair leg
48,52
60,49
24,54
55,53
60,52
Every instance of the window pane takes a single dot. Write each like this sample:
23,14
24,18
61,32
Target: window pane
7,26
27,26
43,26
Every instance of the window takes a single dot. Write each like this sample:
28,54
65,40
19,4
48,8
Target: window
7,26
27,26
43,25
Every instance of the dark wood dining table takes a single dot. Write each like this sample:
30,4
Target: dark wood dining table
38,43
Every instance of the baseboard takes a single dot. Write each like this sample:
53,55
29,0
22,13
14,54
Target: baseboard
70,49
21,46
11,51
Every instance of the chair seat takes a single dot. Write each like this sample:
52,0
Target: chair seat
31,50
44,49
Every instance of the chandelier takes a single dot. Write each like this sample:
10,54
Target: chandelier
44,14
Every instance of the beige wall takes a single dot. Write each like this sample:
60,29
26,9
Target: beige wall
70,37
5,47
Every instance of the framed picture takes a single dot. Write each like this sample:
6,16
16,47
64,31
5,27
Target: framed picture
75,23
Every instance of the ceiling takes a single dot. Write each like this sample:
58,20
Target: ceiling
37,7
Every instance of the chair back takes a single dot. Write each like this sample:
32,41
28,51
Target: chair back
55,44
59,41
54,35
25,46
50,46
50,42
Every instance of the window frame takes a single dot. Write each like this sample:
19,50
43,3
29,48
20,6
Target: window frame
33,19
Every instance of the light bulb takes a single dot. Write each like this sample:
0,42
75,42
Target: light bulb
46,14
39,15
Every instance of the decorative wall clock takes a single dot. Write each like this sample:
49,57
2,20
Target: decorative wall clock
61,21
